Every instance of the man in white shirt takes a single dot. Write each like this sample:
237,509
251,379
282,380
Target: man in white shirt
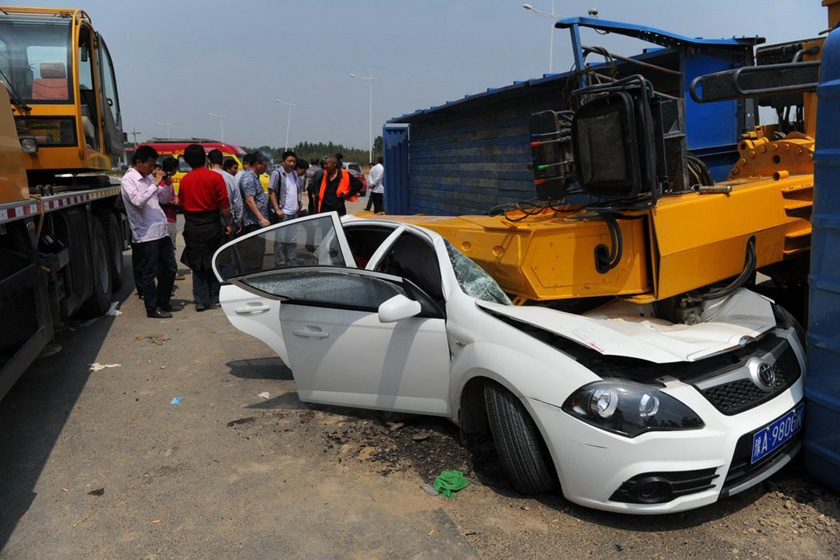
215,159
142,195
284,193
376,183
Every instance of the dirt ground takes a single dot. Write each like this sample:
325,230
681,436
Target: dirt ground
102,464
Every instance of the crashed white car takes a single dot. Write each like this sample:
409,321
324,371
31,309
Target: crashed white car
626,412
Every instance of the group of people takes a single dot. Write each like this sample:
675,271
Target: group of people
220,202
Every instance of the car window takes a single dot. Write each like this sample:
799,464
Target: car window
473,280
308,242
414,258
340,288
364,240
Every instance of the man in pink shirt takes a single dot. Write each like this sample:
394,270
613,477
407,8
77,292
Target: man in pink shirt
142,195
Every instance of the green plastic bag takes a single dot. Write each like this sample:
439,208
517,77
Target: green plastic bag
449,482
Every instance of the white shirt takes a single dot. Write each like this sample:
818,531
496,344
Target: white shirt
142,200
290,199
377,178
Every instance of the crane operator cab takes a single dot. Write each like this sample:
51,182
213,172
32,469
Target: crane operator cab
63,92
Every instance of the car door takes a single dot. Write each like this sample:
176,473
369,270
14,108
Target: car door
320,314
316,244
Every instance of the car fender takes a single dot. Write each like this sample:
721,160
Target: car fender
544,374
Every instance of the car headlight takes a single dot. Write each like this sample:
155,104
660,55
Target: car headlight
630,409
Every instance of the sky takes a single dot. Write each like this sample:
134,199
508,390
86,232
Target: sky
177,61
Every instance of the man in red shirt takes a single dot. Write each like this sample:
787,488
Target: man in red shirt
203,196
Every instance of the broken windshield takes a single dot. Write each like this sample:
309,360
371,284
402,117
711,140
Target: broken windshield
473,280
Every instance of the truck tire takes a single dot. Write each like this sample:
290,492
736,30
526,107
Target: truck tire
518,441
100,300
115,248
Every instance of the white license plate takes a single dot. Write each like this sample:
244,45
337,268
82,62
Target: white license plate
773,435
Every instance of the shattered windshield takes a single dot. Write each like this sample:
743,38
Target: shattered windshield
473,280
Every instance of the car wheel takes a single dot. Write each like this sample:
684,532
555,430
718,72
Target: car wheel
518,441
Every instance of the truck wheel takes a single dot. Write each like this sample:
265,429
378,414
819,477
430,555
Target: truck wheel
100,300
115,248
518,441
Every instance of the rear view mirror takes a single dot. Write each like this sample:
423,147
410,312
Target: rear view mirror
398,308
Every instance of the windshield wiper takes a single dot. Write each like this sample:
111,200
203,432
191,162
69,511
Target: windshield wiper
13,95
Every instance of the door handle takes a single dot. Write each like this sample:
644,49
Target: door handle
252,308
308,333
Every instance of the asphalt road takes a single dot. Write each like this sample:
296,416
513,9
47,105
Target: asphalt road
102,464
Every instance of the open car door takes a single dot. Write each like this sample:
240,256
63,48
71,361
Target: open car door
351,337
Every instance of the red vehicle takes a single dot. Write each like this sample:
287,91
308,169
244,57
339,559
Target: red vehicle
175,147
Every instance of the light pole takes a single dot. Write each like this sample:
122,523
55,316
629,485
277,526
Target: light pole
551,15
288,120
221,117
369,79
168,126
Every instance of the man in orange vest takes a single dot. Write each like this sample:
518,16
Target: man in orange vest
337,185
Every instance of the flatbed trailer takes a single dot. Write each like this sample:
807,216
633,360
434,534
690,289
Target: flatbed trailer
61,255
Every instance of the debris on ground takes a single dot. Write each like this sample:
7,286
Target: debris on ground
176,400
96,366
158,339
97,492
449,482
264,395
241,421
429,489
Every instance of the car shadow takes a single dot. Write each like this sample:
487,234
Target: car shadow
260,368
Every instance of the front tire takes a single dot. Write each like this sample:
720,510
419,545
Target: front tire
518,441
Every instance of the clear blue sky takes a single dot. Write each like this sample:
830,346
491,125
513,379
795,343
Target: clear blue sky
178,60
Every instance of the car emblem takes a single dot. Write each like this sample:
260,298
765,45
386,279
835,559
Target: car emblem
766,376
763,374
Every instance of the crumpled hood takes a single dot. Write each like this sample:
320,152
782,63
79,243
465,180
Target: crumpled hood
617,329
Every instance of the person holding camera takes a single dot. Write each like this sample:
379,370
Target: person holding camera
153,254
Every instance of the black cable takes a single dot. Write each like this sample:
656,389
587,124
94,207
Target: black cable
743,278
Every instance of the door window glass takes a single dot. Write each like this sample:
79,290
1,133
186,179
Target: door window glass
109,84
87,94
341,289
295,244
415,259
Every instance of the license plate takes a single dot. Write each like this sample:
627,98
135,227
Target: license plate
773,435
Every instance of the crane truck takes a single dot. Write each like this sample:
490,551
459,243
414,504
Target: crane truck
62,235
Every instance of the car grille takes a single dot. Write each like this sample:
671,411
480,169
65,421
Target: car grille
741,470
738,396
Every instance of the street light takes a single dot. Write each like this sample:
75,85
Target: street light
369,79
551,15
288,120
168,126
221,117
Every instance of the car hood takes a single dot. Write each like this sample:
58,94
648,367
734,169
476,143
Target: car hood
617,329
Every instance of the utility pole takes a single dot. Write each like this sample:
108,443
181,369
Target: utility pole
134,134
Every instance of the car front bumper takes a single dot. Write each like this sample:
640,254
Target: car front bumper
593,464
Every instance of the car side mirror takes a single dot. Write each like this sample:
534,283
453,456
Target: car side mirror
398,308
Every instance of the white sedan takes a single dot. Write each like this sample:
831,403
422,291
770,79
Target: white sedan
623,411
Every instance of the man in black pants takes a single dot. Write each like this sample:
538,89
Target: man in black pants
142,195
